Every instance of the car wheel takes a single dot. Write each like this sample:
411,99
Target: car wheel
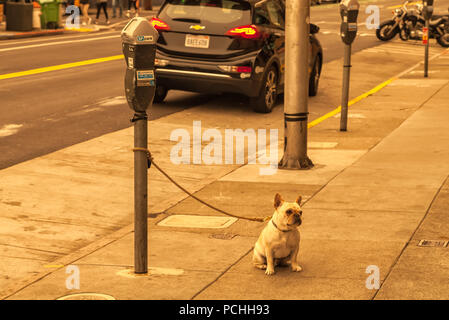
315,77
160,94
266,100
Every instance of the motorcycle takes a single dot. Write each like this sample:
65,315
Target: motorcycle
409,23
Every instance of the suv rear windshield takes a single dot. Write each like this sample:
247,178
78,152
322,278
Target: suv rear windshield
229,12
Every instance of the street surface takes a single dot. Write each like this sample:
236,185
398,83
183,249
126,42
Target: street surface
46,112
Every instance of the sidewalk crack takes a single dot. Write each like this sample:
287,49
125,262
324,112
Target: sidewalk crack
222,274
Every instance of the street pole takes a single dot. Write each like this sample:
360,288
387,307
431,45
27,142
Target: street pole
426,49
427,13
140,193
296,91
345,88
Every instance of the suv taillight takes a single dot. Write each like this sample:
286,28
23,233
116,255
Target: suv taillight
158,24
247,32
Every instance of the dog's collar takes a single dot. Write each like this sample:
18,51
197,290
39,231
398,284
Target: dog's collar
274,224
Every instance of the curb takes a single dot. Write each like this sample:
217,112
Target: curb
32,34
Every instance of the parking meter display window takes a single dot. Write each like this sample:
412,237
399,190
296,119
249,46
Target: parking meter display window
143,58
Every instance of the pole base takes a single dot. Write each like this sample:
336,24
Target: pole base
296,164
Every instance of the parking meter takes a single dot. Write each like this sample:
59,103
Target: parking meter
139,47
427,9
349,10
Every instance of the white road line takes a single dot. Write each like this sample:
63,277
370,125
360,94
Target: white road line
54,37
59,42
9,129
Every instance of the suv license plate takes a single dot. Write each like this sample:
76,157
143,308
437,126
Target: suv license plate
196,41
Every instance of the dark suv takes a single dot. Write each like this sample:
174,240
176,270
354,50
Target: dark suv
216,46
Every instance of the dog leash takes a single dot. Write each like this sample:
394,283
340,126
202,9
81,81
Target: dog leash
152,162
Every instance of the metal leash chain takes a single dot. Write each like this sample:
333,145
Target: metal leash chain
151,161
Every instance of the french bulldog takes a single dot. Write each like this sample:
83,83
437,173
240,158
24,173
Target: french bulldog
278,244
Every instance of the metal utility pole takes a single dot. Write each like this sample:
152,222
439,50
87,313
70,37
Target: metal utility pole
349,10
427,13
296,85
139,48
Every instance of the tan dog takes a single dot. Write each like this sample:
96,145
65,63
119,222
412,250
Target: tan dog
279,241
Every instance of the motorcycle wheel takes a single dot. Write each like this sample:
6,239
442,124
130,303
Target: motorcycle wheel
384,28
444,40
404,35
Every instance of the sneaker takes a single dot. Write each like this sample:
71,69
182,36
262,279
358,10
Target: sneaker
108,22
84,23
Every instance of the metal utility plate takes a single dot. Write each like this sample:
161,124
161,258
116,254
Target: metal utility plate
433,243
193,221
87,296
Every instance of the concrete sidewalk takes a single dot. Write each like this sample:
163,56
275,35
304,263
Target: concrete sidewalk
374,192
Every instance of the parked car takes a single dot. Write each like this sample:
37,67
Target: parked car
216,46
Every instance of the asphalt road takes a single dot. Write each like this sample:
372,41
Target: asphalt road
45,112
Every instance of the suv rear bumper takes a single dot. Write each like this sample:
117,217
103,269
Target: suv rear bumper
206,77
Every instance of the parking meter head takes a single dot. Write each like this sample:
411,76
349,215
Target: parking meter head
139,48
349,10
427,9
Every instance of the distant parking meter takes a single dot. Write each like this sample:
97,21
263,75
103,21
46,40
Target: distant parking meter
139,47
427,9
349,10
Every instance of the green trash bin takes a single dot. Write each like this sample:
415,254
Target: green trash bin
50,14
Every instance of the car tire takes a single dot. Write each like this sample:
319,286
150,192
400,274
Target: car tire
266,100
160,94
314,78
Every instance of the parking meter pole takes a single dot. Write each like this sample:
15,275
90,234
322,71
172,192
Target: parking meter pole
426,51
349,10
345,88
140,194
139,48
296,91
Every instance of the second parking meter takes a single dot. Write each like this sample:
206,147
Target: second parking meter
427,9
349,10
139,47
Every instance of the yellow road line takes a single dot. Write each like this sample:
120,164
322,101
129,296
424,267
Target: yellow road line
59,67
350,103
53,266
400,5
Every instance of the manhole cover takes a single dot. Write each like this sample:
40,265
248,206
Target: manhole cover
87,296
433,243
192,221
